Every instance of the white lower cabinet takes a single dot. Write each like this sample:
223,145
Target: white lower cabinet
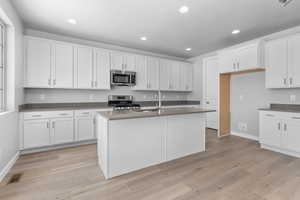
62,130
84,125
279,131
36,133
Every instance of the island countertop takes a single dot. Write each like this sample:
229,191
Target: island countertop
118,115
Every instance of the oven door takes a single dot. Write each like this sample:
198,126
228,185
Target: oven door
121,79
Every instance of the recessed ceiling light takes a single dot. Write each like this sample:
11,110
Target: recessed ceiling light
234,32
72,21
188,49
183,9
143,38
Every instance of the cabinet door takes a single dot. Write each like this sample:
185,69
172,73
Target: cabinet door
276,64
227,62
294,61
247,57
36,133
290,135
85,128
62,130
102,69
129,62
117,61
153,73
141,73
38,63
188,77
63,73
175,76
84,67
164,76
270,129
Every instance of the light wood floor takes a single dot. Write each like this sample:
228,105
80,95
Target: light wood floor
232,169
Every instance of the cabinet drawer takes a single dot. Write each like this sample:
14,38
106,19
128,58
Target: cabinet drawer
59,114
83,113
36,115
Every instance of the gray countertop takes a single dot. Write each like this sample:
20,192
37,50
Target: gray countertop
118,115
36,107
294,108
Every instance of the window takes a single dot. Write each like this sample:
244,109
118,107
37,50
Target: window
2,67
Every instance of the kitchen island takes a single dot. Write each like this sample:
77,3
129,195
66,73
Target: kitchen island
132,140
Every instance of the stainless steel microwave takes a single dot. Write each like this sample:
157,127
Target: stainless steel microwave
122,78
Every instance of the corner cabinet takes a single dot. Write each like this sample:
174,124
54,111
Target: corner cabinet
243,58
282,62
279,131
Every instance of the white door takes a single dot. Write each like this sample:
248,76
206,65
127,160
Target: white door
270,130
153,73
276,64
63,69
294,61
211,82
117,61
85,67
129,61
164,76
102,69
85,128
290,135
62,130
141,73
227,61
36,133
247,57
38,63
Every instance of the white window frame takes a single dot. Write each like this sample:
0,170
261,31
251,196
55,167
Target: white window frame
3,67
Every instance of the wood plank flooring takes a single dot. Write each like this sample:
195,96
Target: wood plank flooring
232,168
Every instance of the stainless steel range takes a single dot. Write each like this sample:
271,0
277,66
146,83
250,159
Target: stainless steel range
122,102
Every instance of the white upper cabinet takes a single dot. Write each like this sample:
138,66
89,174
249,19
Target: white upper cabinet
63,69
122,61
276,64
294,61
241,58
153,73
101,69
38,63
84,63
141,73
164,75
186,77
117,61
282,62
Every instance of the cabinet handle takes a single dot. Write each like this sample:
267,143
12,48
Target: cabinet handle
295,117
92,83
47,124
233,66
291,81
96,83
49,81
85,113
63,114
53,124
279,126
36,115
284,81
54,82
269,115
285,127
238,65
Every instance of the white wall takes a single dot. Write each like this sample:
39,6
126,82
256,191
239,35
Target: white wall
9,137
248,93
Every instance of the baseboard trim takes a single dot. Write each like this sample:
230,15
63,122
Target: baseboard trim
245,135
55,147
9,165
279,150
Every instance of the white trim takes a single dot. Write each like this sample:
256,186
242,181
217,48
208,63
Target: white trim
279,150
9,165
245,135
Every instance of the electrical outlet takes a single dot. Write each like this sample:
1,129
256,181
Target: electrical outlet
293,98
242,126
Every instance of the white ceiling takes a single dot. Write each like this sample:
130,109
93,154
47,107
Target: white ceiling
205,28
